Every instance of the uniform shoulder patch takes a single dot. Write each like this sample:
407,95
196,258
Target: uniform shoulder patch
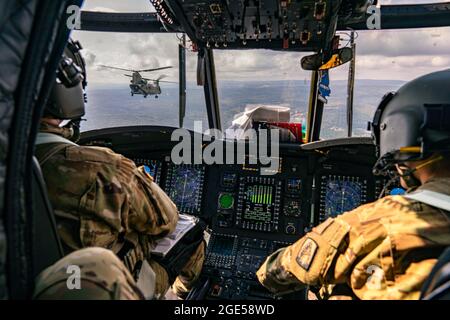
320,229
306,254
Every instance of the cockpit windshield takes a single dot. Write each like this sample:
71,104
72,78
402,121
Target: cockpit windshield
385,59
252,78
112,102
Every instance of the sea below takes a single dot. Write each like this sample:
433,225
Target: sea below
111,105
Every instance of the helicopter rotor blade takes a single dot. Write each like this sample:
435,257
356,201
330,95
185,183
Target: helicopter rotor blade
168,81
123,69
156,69
156,80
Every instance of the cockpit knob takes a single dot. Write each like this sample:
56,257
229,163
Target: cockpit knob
290,229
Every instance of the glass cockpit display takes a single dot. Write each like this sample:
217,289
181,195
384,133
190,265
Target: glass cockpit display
185,187
293,186
340,194
222,251
258,204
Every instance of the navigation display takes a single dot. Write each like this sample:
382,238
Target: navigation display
340,194
185,186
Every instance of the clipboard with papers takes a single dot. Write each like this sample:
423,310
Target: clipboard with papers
163,246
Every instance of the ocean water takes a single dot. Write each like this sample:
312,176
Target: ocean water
113,105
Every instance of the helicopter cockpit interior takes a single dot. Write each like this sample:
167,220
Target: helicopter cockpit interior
251,208
252,214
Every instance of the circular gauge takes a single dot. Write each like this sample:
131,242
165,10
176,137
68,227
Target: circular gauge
226,201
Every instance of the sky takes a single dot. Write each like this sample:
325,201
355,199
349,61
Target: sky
381,55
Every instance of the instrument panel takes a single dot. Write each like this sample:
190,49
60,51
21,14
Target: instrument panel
251,215
279,24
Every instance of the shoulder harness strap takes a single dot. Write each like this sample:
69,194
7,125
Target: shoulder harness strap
431,198
57,143
46,137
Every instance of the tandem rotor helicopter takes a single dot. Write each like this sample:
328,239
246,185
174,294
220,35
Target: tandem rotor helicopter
141,85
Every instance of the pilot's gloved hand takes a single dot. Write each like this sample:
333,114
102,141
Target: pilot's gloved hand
190,273
162,283
183,252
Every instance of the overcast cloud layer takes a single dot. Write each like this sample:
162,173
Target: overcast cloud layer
399,54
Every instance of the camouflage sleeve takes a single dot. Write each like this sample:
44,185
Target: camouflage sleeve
121,199
321,257
152,212
275,276
145,208
305,262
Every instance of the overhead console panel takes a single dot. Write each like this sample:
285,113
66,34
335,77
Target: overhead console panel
302,25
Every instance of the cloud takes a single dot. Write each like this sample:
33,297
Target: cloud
131,51
89,57
258,65
119,5
393,43
102,9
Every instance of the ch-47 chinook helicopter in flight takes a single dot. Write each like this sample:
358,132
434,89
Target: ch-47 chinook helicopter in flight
141,85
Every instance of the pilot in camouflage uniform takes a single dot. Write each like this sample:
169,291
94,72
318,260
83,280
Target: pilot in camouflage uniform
100,198
385,249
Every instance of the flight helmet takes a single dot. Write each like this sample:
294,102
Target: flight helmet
68,97
413,123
